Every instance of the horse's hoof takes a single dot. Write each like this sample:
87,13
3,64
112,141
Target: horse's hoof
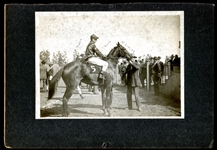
65,114
109,113
104,112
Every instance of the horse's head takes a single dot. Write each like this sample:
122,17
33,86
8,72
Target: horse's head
120,51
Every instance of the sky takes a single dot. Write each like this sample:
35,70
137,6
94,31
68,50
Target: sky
141,33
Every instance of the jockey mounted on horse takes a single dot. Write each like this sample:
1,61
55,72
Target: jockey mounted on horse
81,71
94,56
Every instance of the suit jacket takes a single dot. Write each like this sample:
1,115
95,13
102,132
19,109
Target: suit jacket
156,68
43,71
132,72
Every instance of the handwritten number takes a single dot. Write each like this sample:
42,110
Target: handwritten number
93,68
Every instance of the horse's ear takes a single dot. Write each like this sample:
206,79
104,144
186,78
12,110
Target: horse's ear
118,44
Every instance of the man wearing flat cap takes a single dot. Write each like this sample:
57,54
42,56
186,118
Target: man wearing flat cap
92,50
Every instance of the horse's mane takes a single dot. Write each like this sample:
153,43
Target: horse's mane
112,55
109,55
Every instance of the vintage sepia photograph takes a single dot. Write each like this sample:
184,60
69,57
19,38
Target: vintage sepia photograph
109,75
109,64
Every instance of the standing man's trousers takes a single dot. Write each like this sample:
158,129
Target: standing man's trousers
130,91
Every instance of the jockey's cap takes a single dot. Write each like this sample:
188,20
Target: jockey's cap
94,36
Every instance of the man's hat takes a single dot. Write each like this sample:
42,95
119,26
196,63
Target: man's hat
43,61
94,36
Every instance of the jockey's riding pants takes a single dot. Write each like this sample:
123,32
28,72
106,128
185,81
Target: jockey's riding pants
98,61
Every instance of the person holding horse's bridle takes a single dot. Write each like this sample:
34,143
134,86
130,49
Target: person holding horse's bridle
133,83
91,54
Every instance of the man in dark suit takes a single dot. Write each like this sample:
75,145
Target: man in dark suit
133,82
156,74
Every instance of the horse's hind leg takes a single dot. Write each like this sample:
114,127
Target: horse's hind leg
66,97
111,98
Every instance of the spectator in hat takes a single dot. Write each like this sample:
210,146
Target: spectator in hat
156,75
44,68
176,61
143,72
92,51
162,68
152,60
171,62
150,71
133,83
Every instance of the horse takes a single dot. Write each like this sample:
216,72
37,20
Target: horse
80,71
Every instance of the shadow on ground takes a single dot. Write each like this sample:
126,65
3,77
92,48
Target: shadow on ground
149,98
57,109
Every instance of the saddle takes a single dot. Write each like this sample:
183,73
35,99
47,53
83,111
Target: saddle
85,58
94,68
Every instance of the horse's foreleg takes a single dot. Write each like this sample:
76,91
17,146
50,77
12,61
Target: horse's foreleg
66,97
103,100
65,107
108,99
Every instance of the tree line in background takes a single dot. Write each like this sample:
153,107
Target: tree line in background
59,58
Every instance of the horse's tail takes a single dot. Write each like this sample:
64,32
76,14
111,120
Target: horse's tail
53,83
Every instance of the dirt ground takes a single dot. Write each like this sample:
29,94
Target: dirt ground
90,106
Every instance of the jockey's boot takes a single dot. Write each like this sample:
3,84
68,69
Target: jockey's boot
102,78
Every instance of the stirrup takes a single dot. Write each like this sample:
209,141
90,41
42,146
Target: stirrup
101,76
